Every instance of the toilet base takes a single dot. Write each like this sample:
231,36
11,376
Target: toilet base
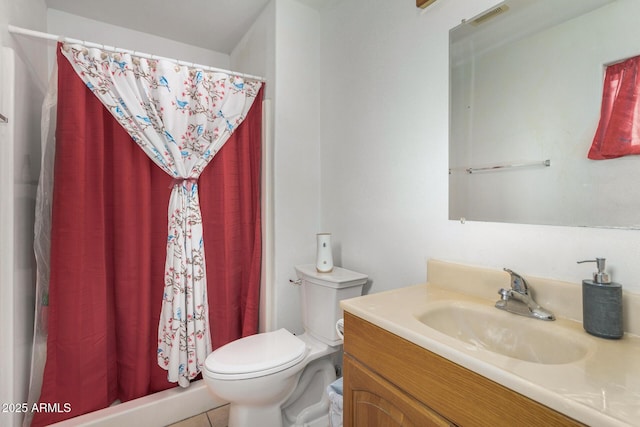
309,405
268,416
323,421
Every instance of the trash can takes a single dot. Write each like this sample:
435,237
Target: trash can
334,390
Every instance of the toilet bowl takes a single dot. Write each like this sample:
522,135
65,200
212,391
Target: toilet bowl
277,379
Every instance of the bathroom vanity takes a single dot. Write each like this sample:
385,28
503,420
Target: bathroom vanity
390,381
440,354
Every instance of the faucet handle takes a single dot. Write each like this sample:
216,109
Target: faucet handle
518,283
504,294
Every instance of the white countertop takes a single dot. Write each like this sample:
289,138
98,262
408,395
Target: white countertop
600,389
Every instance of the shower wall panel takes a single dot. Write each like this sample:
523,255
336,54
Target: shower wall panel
20,102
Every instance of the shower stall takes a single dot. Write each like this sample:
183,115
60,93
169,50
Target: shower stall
23,85
20,101
21,97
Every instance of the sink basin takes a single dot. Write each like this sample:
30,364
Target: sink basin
484,327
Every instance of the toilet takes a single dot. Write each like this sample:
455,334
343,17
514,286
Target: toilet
277,379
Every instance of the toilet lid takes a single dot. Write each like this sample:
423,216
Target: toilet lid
262,354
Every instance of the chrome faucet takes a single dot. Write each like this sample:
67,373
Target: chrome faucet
518,299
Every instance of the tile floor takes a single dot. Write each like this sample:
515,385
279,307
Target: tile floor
218,417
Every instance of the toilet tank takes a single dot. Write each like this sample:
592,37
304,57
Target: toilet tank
321,296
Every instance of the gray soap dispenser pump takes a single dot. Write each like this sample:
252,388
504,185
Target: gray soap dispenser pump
602,304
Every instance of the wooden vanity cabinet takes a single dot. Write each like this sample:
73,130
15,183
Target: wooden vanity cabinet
376,402
389,381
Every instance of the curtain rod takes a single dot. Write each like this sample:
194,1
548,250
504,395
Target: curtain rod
47,36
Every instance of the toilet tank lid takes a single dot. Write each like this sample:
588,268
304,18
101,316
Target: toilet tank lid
257,353
338,276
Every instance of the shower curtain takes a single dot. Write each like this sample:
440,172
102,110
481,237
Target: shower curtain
108,250
618,132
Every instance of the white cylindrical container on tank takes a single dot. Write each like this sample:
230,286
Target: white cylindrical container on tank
324,256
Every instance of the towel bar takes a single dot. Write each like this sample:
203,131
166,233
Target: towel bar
470,170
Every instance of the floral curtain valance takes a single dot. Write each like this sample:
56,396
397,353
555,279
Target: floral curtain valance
180,117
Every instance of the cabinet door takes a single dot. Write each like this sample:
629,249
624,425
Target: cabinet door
370,400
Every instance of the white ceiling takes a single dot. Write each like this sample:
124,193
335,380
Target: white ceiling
523,18
211,24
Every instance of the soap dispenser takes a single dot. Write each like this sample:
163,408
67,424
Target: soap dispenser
602,304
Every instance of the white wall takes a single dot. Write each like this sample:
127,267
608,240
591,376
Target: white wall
255,54
66,24
384,157
296,152
283,46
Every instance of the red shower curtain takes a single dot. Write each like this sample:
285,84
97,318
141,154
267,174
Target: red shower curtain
618,132
108,247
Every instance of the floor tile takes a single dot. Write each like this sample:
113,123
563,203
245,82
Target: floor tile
219,417
198,421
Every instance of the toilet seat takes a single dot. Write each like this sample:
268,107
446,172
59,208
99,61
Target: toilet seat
256,355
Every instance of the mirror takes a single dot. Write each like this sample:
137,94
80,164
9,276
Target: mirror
525,94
